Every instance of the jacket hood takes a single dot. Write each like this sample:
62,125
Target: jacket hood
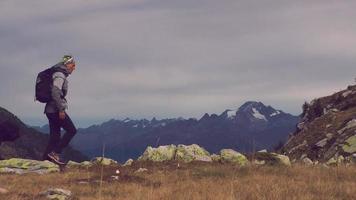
63,68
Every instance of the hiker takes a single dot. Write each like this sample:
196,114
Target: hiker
55,111
9,131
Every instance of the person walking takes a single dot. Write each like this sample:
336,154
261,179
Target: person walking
55,111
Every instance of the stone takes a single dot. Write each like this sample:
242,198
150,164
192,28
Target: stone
336,160
140,170
259,162
3,191
128,162
307,161
159,154
347,93
329,135
322,142
103,161
273,158
303,156
22,166
263,150
189,153
215,158
349,125
350,145
57,194
232,156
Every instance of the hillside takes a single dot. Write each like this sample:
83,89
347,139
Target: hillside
31,143
327,129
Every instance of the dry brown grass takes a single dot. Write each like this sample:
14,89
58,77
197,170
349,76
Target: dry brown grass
192,181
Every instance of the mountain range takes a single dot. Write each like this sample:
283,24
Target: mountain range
253,126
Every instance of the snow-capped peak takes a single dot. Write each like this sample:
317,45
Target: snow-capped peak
258,115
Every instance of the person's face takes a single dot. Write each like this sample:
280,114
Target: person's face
71,67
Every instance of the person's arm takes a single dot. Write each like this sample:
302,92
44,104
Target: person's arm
58,81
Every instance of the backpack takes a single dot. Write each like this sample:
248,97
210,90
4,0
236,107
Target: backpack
44,84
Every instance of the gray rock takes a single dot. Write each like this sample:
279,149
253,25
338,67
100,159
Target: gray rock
23,166
349,125
232,156
128,162
140,170
57,194
3,191
322,142
347,93
159,154
103,161
273,159
307,161
189,153
215,158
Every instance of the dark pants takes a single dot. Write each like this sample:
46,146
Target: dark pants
57,143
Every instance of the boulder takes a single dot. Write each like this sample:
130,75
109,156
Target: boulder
22,166
103,161
159,154
215,158
307,161
128,162
76,164
232,156
350,145
57,194
336,160
192,153
273,158
322,142
140,170
3,191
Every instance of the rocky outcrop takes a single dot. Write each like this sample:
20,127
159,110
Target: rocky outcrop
327,129
22,166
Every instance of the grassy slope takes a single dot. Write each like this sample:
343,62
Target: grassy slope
193,181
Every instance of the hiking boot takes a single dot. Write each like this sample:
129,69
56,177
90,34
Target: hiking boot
56,158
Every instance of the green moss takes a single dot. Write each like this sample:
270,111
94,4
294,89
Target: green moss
162,153
191,152
350,146
231,156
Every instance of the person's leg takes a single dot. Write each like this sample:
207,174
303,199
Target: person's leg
55,134
70,131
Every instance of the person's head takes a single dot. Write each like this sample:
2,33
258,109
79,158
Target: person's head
69,62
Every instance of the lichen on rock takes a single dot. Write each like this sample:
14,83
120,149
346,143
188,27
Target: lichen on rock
232,156
189,153
159,154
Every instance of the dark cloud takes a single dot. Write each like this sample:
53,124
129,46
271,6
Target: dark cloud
146,58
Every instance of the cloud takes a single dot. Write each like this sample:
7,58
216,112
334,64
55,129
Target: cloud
145,58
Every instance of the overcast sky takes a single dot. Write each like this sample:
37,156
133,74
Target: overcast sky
172,58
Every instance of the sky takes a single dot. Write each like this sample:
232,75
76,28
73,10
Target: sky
169,58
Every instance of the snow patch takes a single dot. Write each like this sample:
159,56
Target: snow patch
258,115
231,113
275,113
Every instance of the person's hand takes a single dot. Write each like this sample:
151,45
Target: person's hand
62,115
